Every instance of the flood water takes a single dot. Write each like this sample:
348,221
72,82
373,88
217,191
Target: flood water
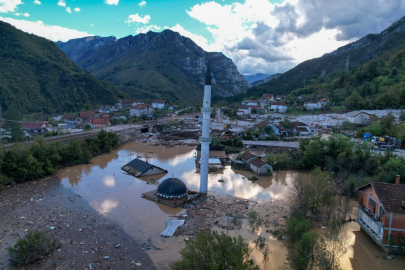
117,195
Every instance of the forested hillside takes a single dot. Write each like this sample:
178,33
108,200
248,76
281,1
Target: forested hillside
375,72
36,76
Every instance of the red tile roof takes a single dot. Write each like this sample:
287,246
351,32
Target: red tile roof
258,162
323,100
267,96
298,124
87,114
390,196
247,155
243,107
140,107
100,121
32,125
278,103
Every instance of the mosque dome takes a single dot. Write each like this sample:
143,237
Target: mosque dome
172,188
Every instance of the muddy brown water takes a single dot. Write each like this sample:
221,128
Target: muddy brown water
117,195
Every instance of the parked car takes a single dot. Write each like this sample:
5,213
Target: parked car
262,155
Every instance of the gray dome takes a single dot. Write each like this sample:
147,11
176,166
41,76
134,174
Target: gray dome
172,188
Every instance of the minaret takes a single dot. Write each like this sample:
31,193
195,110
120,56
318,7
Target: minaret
205,139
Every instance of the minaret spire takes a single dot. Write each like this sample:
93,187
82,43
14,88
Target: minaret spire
205,139
208,76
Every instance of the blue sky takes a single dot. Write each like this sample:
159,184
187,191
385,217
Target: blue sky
259,35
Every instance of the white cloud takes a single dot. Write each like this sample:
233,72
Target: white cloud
62,3
77,9
142,4
92,25
111,2
37,2
68,10
147,28
22,14
7,6
263,37
138,19
51,32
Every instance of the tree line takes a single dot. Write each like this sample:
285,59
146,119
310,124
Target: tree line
40,159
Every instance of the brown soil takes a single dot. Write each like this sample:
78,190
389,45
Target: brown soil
86,236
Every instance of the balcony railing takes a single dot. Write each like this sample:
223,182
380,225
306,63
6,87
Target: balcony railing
370,224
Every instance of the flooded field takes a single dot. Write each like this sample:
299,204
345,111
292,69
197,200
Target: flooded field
117,195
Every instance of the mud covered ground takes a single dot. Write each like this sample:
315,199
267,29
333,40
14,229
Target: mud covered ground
86,237
212,212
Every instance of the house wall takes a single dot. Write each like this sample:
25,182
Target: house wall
262,170
313,106
279,108
158,105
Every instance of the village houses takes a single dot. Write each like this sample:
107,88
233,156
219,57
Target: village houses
244,110
159,104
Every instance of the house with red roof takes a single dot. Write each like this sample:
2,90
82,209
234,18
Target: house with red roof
381,214
322,102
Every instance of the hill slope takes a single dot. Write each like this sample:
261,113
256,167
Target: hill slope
162,65
362,51
35,76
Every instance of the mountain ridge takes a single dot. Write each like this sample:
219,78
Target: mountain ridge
162,65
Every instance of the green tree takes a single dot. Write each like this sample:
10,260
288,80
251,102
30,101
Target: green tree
12,125
213,251
354,102
303,255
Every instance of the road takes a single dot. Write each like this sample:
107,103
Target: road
273,143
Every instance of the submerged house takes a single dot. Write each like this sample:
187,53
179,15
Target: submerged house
381,214
139,167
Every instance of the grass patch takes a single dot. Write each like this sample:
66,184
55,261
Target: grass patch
33,247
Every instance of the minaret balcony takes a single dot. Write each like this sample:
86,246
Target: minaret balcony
206,110
205,139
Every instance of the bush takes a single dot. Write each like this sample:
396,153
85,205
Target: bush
211,250
297,225
34,246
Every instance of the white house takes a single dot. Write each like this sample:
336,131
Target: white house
301,129
266,99
312,106
244,110
279,106
159,104
358,117
140,110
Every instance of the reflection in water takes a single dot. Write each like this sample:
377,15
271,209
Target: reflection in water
113,193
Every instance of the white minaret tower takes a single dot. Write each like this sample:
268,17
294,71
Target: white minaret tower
205,139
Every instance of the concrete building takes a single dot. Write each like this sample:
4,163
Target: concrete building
159,104
139,110
260,167
358,117
381,214
278,106
312,106
244,110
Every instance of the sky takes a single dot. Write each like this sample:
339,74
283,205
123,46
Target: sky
260,36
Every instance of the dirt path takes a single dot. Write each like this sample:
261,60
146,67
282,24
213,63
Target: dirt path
86,236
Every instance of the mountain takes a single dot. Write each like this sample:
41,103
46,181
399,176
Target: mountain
36,76
391,40
255,77
267,79
162,65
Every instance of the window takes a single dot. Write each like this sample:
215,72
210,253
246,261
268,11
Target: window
371,203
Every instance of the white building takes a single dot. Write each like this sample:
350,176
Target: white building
250,102
322,102
140,110
312,106
358,117
159,104
244,110
279,106
266,99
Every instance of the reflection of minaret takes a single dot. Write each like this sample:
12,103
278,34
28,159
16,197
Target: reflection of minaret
205,139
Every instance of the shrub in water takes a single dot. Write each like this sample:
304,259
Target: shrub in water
34,246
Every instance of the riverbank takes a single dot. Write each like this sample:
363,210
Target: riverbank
88,239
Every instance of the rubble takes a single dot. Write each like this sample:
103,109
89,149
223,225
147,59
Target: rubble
205,215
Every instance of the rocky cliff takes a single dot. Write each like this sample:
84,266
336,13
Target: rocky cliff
156,65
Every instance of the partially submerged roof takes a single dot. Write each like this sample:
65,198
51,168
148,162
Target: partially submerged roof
138,167
247,155
258,162
390,196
